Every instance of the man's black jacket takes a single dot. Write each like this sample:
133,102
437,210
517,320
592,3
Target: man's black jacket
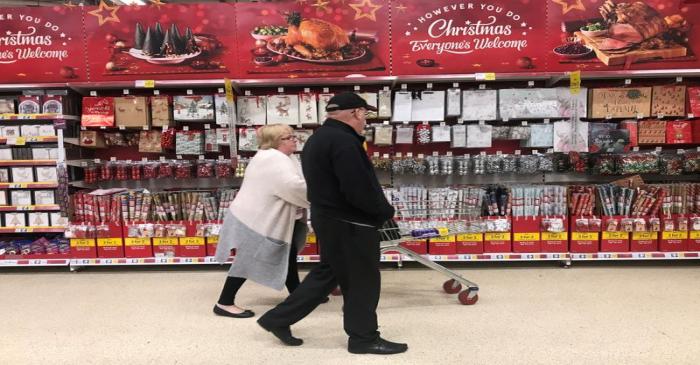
340,178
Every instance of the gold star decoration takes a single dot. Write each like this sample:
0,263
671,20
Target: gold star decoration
401,7
321,5
300,2
99,13
365,9
157,3
569,5
69,4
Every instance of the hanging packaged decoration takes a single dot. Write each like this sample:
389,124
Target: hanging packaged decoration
652,132
252,110
29,104
454,102
247,139
97,112
679,132
668,100
194,108
428,106
161,113
302,136
404,134
480,104
519,132
223,136
189,143
403,101
371,99
423,133
541,136
605,137
283,109
223,109
322,103
694,100
210,142
7,105
459,136
383,135
308,108
441,133
479,136
384,108
150,142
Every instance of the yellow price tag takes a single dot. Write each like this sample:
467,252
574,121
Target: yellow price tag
213,240
675,235
82,242
192,241
228,87
642,236
490,76
529,236
694,235
443,239
584,236
311,238
470,237
616,235
17,141
137,241
575,82
164,241
109,242
500,236
555,236
149,84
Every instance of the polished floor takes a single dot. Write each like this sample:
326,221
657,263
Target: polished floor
530,314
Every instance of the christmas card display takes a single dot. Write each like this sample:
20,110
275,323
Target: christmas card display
302,136
131,111
605,137
7,105
283,109
668,100
694,100
47,131
225,113
247,139
30,130
308,108
198,108
252,110
652,132
620,102
189,142
459,136
479,135
52,104
3,197
161,113
371,99
98,112
29,104
322,103
150,141
384,108
403,101
428,106
5,153
679,132
10,131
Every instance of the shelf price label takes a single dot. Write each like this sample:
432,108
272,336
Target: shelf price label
584,236
555,236
213,240
444,239
528,236
643,236
24,230
615,235
164,241
137,241
694,235
675,235
575,82
82,242
497,236
470,237
109,242
192,241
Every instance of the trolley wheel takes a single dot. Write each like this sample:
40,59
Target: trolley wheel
451,286
336,292
464,298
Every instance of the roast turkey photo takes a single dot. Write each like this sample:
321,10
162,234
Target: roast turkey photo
627,33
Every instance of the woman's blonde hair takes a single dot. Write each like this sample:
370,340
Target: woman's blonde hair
269,136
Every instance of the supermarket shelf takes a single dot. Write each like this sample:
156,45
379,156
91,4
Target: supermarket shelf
610,256
24,208
38,117
34,262
32,229
573,177
201,183
45,139
41,185
465,258
145,261
28,163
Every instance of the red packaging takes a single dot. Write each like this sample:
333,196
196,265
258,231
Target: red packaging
98,111
694,234
470,243
617,240
193,245
110,242
679,132
526,234
555,240
694,100
29,104
675,239
52,104
644,242
442,246
83,245
632,127
420,247
136,247
585,234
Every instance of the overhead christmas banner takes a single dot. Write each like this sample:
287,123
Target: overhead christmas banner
615,35
453,37
41,44
314,38
192,41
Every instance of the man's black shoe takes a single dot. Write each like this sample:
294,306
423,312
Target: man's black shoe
284,334
379,347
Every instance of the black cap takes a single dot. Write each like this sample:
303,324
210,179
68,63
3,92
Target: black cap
347,100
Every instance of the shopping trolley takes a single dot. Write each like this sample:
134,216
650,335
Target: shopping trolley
423,214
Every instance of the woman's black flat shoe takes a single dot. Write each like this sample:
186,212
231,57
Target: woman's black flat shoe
222,312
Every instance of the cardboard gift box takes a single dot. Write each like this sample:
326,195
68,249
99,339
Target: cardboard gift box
110,241
541,103
98,112
526,234
652,132
308,108
3,197
252,110
136,244
194,244
629,102
10,131
5,153
668,100
674,233
150,141
30,130
247,139
29,104
198,108
283,109
442,245
93,139
23,174
189,143
679,132
131,111
694,233
161,112
47,131
225,113
39,219
52,104
632,131
44,197
614,241
498,240
58,220
15,220
21,197
7,105
4,174
419,246
46,174
555,234
470,243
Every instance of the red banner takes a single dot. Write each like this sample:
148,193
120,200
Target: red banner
191,41
324,38
41,45
614,36
448,37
